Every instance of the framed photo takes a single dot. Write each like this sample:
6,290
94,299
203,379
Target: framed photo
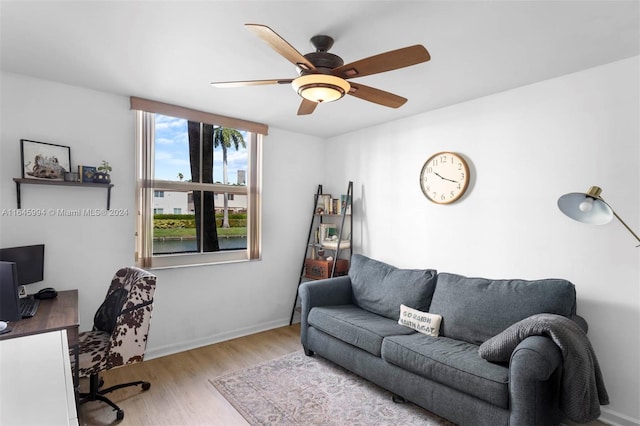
324,204
42,160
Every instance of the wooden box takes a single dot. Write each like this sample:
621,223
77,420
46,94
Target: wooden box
321,269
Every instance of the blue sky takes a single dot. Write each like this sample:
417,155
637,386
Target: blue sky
172,153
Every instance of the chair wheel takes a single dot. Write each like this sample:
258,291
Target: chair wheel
146,386
101,383
119,415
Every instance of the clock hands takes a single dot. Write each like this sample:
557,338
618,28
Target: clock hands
444,178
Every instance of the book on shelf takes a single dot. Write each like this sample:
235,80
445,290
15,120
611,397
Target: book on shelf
86,173
326,231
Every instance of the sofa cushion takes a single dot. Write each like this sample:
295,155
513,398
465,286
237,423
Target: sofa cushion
451,362
476,309
381,288
355,326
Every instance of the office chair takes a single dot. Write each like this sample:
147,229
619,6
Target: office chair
119,335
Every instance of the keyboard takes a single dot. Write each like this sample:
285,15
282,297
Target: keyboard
28,307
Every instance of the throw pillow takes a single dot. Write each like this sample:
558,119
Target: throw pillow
422,322
381,288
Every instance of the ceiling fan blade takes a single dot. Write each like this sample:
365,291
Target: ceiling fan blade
377,96
227,84
392,60
280,45
307,107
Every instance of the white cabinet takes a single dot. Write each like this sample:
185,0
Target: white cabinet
36,384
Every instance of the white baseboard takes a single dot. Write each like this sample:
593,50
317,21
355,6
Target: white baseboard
614,418
210,340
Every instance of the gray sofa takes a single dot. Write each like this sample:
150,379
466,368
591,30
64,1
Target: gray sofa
353,321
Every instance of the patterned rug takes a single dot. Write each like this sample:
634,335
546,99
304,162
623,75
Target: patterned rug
301,390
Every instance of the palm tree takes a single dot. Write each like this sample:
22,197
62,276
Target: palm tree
203,201
225,137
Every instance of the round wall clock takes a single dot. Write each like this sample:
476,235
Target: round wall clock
444,177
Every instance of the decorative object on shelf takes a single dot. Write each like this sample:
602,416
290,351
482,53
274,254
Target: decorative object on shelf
71,177
444,177
317,269
102,175
323,204
590,208
41,160
86,173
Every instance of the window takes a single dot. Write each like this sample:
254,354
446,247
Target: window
206,170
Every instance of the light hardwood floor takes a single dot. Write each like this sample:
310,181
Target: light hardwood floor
180,392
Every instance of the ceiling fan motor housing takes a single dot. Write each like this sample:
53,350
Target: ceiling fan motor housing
321,59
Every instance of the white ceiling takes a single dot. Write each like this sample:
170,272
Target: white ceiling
170,51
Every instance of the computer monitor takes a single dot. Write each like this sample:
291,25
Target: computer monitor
29,262
9,304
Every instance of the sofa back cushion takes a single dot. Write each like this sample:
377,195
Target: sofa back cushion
381,288
476,309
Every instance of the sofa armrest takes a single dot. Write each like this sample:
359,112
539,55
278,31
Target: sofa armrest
534,383
332,291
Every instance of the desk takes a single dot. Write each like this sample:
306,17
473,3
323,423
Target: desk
60,313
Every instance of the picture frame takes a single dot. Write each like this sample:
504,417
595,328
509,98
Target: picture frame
323,205
44,161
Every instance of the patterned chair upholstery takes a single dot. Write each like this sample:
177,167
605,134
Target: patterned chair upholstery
119,335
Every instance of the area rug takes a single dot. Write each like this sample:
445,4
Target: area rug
301,390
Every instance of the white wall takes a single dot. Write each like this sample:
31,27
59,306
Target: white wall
194,306
526,147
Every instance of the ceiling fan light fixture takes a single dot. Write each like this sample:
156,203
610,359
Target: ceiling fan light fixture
320,88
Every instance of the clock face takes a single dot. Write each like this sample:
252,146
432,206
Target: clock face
444,177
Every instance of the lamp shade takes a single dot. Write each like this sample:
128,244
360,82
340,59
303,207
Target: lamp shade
585,208
320,87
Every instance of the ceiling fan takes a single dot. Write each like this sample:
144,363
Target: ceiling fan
323,76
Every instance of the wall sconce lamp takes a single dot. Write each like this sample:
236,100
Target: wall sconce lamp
589,208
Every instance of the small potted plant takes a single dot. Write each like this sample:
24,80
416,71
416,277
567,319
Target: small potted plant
102,175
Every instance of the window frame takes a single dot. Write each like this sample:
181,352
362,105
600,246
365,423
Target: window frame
146,186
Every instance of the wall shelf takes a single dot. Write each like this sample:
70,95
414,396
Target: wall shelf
20,181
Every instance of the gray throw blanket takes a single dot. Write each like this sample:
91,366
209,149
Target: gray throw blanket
582,387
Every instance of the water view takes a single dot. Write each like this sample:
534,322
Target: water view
172,246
